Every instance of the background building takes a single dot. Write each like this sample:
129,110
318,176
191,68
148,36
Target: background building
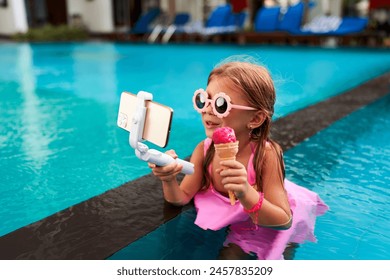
113,16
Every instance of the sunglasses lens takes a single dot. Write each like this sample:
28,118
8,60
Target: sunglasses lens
200,101
221,105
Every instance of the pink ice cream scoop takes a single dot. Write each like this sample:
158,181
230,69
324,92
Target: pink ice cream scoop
224,135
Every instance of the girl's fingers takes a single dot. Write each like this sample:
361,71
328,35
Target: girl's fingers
234,180
167,172
168,167
171,176
231,164
232,172
172,153
234,187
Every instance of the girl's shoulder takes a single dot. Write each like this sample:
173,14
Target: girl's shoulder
272,151
198,152
272,147
202,147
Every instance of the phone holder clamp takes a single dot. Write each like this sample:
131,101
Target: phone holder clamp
142,151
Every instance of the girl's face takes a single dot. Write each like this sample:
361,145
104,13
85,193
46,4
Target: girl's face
236,119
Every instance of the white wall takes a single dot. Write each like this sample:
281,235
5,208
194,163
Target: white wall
333,6
194,8
13,18
75,7
96,15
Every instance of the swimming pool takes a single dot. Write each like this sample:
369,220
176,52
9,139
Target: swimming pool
58,136
346,164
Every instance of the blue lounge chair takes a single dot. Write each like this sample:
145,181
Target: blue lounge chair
267,19
142,26
219,17
180,20
333,26
236,20
292,19
271,26
270,19
177,26
273,20
351,25
222,20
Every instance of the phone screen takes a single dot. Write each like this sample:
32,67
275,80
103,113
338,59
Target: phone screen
157,122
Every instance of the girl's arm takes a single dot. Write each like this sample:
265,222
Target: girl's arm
276,211
271,214
175,193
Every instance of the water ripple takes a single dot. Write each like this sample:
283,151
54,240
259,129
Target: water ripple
347,164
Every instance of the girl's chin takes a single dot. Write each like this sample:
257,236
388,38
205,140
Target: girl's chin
209,132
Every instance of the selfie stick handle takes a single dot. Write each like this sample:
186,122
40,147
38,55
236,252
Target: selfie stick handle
142,151
161,159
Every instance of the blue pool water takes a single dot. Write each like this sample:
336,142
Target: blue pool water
59,143
347,164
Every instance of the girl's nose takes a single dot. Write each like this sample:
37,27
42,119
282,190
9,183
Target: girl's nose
209,109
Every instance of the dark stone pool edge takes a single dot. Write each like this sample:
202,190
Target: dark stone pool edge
98,227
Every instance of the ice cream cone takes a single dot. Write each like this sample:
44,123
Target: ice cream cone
227,151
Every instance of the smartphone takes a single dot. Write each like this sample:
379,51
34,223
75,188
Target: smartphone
157,122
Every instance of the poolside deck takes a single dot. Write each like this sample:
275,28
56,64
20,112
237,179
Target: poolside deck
362,39
102,225
367,39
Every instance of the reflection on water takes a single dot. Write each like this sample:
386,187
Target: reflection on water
34,119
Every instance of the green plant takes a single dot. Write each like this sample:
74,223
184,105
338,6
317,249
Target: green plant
52,33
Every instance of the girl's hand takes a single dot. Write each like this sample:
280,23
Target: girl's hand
168,172
234,177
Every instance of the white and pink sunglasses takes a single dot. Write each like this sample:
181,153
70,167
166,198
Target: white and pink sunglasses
220,103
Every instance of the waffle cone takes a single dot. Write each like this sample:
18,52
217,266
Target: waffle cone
228,151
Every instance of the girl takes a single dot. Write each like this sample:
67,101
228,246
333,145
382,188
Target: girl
270,212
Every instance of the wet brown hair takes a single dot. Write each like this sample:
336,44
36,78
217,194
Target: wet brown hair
255,82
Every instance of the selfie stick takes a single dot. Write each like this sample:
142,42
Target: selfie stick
142,151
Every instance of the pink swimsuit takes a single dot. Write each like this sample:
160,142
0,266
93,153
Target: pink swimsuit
215,212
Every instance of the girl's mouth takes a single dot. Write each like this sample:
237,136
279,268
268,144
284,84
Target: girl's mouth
211,125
